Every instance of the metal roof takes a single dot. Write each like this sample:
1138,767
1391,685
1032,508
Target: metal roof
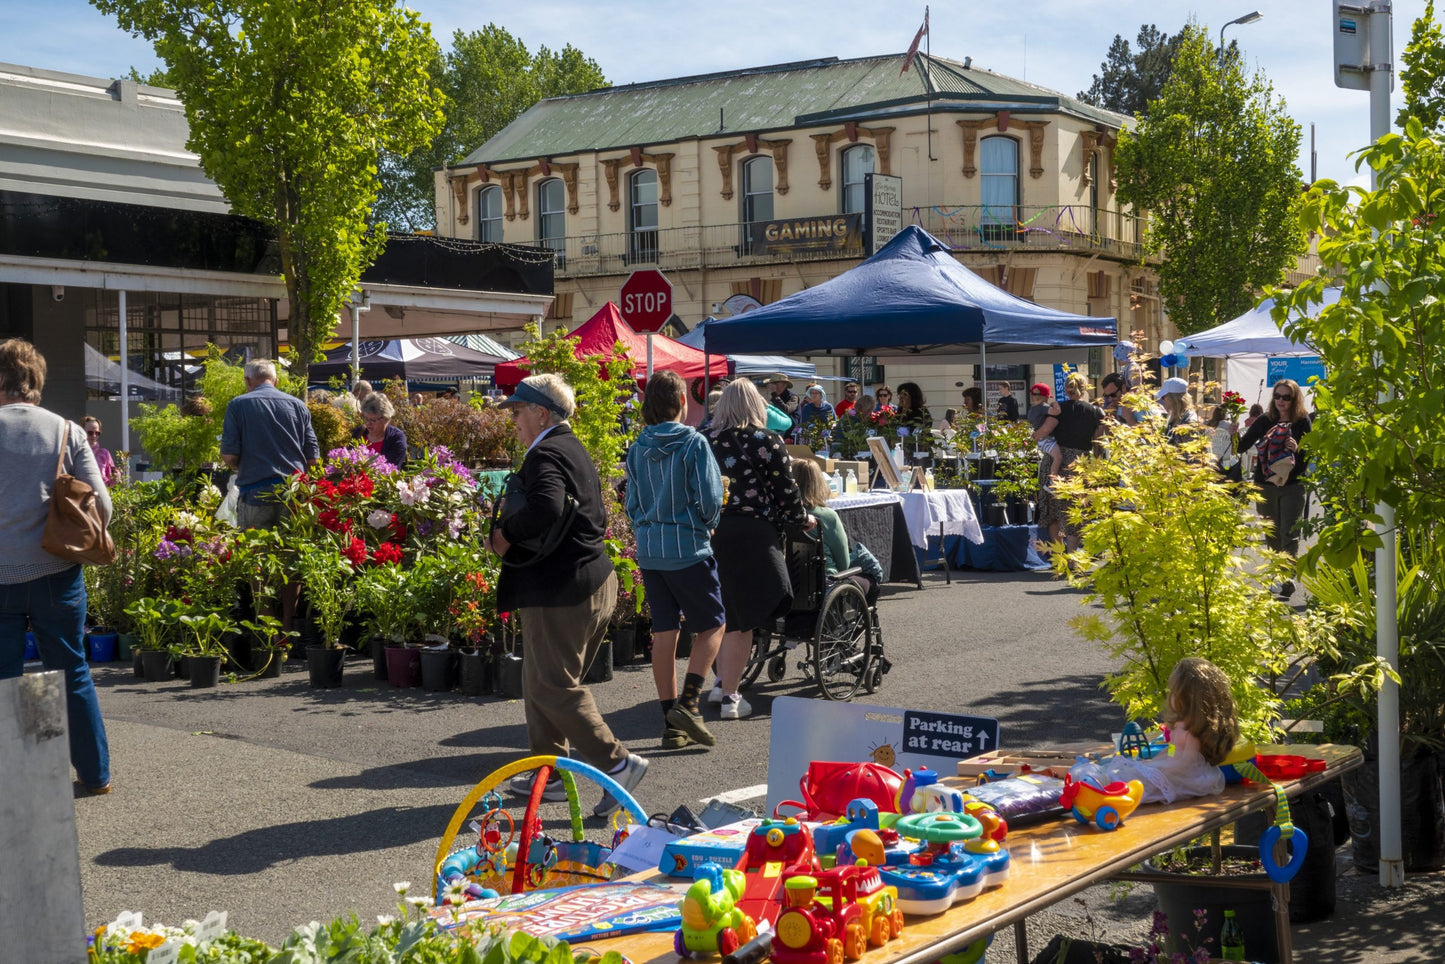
764,99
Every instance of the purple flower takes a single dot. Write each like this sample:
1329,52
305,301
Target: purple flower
166,549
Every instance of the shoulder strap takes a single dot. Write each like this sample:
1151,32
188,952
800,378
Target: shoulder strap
64,444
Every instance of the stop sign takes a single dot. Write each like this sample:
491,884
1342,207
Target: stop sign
646,300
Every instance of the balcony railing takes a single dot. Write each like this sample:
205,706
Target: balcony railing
1070,228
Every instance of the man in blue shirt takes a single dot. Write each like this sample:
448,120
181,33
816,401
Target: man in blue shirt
267,436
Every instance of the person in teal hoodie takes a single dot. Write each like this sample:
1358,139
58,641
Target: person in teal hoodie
674,498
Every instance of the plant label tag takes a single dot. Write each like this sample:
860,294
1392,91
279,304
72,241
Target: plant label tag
128,920
212,927
167,953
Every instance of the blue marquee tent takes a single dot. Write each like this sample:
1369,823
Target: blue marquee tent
753,364
910,298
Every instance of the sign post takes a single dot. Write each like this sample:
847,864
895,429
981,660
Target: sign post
646,304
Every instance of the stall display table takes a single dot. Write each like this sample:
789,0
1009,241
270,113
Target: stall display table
876,519
1003,549
1052,861
949,512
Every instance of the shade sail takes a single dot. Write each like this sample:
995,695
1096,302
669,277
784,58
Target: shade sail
409,358
598,338
912,297
1252,333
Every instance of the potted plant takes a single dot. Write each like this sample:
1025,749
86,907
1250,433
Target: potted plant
203,630
325,575
1016,469
473,612
102,599
384,594
152,618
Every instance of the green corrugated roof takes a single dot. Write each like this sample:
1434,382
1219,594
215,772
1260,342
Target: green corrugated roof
762,99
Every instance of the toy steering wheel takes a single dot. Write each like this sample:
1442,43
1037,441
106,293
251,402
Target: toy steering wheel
938,827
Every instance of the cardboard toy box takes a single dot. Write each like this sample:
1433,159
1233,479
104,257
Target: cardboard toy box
723,846
1054,760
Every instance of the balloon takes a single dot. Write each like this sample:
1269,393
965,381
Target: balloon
1166,348
1182,355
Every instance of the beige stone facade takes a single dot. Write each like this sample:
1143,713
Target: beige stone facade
1050,231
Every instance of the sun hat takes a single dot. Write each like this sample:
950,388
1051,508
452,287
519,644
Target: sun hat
533,396
1171,386
1042,389
779,377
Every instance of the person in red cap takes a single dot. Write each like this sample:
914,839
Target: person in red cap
1038,411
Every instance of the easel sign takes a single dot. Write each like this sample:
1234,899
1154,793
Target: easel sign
804,730
883,461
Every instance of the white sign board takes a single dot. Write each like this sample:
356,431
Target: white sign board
1350,25
885,209
805,730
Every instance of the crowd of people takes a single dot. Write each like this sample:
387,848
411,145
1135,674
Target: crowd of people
708,507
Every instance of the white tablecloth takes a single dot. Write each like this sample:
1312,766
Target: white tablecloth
857,500
951,508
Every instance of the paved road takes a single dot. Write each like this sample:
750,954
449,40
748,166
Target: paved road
283,804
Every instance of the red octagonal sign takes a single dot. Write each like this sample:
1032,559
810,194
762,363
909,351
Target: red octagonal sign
646,300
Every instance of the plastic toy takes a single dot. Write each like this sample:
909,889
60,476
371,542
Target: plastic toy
835,915
959,858
775,849
1297,840
1107,806
1284,766
1133,742
922,793
828,788
711,921
514,856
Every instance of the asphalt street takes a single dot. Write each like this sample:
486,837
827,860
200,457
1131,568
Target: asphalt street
283,804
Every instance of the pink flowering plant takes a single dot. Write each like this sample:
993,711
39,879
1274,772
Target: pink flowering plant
1155,949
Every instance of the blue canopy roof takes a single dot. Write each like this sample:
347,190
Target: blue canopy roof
753,364
912,297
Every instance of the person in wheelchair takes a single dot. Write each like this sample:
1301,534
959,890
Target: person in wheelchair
814,489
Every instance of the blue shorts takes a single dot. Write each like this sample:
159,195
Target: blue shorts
693,591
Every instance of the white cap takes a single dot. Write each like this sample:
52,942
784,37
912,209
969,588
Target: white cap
1172,386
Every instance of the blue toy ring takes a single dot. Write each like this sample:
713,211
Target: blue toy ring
1298,844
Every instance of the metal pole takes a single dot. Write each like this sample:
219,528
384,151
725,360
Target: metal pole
649,355
124,379
1387,631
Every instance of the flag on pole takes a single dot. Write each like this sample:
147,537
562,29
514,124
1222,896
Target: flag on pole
913,47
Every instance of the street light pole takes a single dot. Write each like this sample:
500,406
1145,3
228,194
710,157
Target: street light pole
1253,16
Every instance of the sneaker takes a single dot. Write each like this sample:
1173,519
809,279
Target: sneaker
81,790
716,696
521,786
690,723
674,739
633,770
736,708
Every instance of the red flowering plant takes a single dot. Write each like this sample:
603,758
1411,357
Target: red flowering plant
1234,405
472,600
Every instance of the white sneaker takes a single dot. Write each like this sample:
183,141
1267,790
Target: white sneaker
736,708
716,696
631,775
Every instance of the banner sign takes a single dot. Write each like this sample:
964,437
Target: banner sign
833,232
885,208
1302,369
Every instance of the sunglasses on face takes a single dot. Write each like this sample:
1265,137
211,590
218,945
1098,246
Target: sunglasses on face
94,433
1284,398
885,394
1113,394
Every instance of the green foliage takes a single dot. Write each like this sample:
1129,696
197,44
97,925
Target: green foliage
474,433
1016,469
1387,333
331,425
489,79
327,580
1213,165
289,107
603,389
1174,558
1422,75
1129,79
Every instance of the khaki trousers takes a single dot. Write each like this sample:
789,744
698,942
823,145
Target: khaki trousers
559,643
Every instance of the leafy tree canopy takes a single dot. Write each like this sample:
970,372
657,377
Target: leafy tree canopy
1422,75
289,107
1212,163
489,78
1130,77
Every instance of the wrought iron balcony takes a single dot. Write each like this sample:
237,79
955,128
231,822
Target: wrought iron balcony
1065,228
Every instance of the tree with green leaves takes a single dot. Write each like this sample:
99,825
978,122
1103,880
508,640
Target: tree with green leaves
1212,164
1131,77
1422,74
489,78
290,106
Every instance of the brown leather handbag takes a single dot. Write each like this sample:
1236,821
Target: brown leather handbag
74,529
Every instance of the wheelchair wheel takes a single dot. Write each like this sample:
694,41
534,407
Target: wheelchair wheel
757,658
777,669
843,642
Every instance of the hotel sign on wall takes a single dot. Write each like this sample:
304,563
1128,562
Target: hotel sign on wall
832,232
885,208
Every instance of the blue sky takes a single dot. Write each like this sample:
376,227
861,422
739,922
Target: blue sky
1059,44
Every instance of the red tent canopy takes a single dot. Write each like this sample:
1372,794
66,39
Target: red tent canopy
600,333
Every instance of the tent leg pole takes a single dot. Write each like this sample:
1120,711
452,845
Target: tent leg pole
983,395
124,378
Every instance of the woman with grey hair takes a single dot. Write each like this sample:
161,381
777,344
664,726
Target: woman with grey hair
761,498
35,586
556,578
378,434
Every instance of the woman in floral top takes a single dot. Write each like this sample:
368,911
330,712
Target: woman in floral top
761,496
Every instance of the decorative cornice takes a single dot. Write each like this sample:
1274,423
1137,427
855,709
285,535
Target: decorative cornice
754,144
514,184
663,163
461,184
970,129
1093,143
882,138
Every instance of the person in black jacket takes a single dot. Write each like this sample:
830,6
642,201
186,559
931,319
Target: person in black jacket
378,434
564,599
1278,463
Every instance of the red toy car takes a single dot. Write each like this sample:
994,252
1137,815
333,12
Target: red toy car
775,849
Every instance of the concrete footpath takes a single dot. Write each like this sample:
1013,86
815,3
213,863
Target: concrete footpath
282,804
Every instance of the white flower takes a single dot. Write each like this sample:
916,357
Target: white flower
456,892
378,519
418,901
384,919
402,887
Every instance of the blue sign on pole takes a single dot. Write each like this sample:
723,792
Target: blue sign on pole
1061,374
1301,369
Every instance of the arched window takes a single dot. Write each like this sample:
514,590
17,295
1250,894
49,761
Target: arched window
552,215
857,164
642,215
757,195
489,213
999,185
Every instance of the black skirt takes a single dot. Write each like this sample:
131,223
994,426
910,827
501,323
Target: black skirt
752,571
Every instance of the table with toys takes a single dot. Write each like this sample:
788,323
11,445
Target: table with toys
919,866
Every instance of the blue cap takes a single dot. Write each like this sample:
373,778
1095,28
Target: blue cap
526,393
